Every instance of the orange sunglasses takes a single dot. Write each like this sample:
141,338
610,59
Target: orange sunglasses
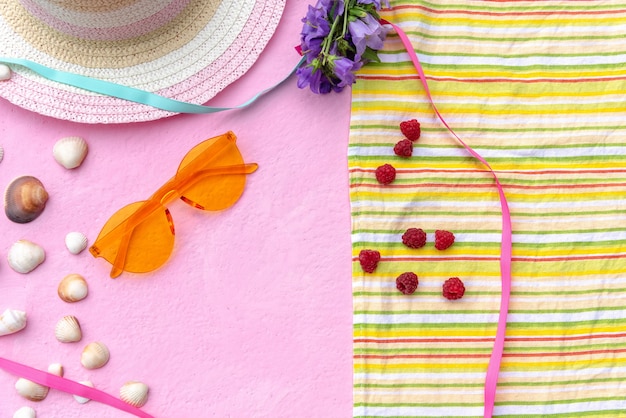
140,237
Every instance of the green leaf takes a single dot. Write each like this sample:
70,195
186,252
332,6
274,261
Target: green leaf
370,55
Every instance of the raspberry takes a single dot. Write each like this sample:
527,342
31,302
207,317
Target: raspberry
404,148
453,288
443,239
369,260
414,238
411,129
407,283
385,174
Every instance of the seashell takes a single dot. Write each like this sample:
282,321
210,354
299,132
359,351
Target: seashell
94,356
1,153
24,256
31,390
70,151
56,369
134,393
12,321
73,288
5,72
24,199
81,399
75,242
68,330
25,412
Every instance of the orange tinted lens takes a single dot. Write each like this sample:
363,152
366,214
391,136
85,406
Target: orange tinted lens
214,192
150,243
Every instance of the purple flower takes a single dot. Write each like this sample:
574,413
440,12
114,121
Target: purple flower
338,37
334,6
366,32
343,70
309,75
315,25
376,3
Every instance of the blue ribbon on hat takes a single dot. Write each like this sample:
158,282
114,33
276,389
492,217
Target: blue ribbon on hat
132,94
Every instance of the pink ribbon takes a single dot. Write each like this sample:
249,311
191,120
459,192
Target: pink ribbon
491,379
69,386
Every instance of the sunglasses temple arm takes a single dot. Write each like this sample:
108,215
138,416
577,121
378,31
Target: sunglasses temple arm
247,168
188,181
129,228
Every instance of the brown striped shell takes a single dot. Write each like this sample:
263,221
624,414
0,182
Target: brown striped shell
25,199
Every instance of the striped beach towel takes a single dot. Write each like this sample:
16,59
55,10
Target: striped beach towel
538,88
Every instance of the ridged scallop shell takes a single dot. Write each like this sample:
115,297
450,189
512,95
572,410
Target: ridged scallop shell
25,412
134,393
73,288
81,399
95,355
31,390
25,199
24,256
75,242
67,330
56,369
70,151
1,153
12,321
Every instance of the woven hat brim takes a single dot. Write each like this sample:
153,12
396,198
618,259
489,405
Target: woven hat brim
193,73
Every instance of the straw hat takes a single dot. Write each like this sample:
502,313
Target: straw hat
188,50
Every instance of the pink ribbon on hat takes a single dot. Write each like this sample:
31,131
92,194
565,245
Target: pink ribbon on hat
491,379
69,386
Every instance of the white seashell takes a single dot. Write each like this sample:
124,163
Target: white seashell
81,399
94,356
76,242
5,72
56,369
31,390
1,153
73,288
12,321
70,151
134,393
24,256
25,412
68,330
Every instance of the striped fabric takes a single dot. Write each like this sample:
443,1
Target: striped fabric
538,88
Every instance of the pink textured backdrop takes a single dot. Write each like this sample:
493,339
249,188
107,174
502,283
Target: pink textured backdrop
251,317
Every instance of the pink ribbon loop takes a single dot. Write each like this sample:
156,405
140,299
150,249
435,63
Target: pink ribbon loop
69,386
491,379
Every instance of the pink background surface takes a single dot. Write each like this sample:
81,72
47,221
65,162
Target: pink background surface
252,314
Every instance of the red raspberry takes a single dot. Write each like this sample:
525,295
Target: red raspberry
404,148
443,239
369,260
407,283
453,288
411,129
414,238
385,174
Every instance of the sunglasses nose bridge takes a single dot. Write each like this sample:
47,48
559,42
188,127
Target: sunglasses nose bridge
169,196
